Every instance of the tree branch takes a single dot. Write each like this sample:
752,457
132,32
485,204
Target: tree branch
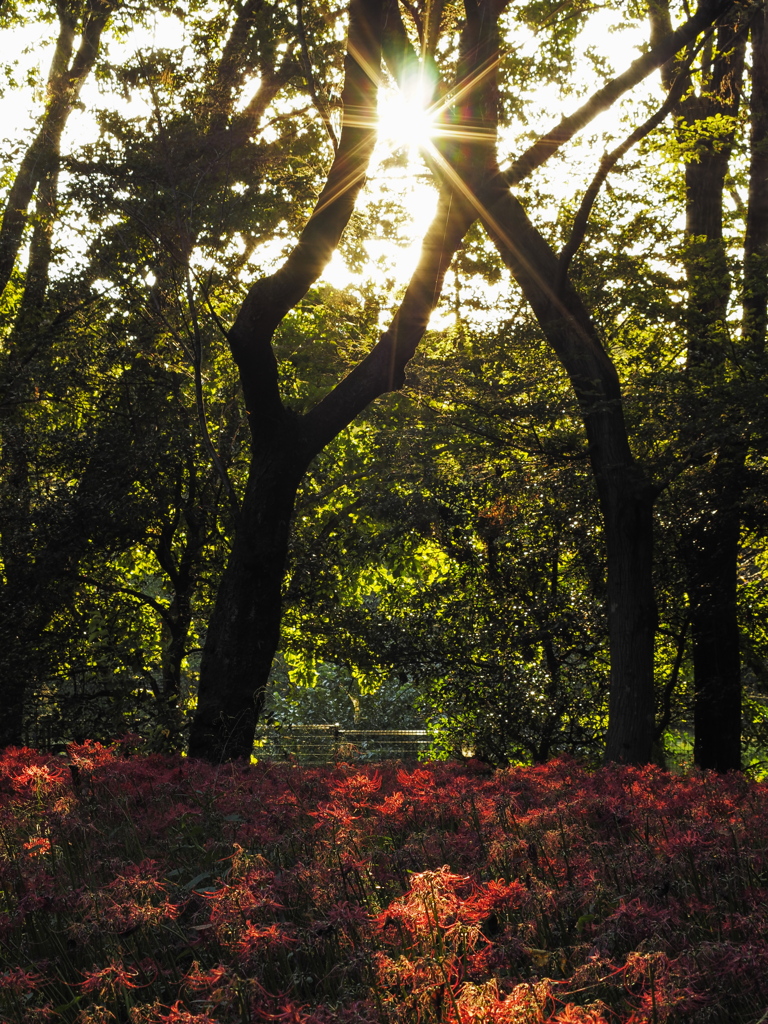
161,610
271,298
64,85
707,13
320,105
671,683
610,160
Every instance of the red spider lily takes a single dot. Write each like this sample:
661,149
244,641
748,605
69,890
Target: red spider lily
256,939
497,893
344,913
109,978
290,1013
198,979
392,805
573,1014
358,788
432,902
18,980
525,1004
178,1014
335,815
346,886
418,782
91,754
37,846
26,771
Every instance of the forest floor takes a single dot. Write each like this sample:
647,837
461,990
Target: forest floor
149,890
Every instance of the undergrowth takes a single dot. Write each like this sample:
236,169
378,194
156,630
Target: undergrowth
153,890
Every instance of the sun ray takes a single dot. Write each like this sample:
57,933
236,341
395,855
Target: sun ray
407,117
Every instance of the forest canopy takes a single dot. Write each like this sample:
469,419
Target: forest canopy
396,364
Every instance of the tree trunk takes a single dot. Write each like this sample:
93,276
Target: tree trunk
13,680
625,493
244,630
710,544
626,501
712,551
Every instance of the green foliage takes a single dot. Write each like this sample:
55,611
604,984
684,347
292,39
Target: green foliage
447,560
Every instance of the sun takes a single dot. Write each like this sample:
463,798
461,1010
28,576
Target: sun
407,120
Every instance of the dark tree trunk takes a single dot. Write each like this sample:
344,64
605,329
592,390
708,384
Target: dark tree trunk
176,620
711,557
710,544
13,680
626,501
712,551
244,630
625,493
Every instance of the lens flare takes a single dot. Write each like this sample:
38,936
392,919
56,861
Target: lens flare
406,118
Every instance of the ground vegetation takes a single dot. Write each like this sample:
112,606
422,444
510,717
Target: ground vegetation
520,486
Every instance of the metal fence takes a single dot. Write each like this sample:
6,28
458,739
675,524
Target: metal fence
319,744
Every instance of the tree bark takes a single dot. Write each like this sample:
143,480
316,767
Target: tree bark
712,548
625,493
244,630
710,544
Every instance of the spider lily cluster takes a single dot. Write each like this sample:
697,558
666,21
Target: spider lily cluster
158,890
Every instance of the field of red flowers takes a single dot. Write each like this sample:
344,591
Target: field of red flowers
154,890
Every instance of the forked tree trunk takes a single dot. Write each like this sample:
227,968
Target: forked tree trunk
243,633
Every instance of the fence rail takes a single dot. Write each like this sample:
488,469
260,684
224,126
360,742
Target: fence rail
318,744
